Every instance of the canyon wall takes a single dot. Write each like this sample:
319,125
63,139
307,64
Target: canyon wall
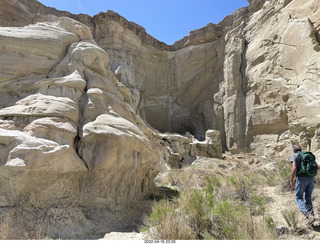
71,148
86,104
253,76
245,76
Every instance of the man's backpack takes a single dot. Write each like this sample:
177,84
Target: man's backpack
308,165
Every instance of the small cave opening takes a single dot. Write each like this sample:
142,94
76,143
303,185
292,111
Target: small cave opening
160,117
185,130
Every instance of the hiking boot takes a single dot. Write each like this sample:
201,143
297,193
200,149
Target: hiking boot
310,220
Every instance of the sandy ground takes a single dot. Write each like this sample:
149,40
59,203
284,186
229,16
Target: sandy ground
281,201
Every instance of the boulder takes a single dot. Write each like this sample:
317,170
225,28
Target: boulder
178,149
210,148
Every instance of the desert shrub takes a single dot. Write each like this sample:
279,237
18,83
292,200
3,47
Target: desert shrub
257,205
200,214
18,231
230,221
195,207
270,225
284,169
279,176
212,189
291,218
244,187
166,223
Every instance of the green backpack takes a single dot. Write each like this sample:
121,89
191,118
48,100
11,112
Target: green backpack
308,165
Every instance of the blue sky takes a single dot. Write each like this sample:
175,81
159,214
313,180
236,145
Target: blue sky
166,20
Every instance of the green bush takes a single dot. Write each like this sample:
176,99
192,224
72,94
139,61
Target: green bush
291,217
195,209
270,224
285,168
244,186
200,214
229,221
282,174
165,223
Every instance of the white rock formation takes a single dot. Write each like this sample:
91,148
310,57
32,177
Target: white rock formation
89,90
210,148
247,77
251,75
66,134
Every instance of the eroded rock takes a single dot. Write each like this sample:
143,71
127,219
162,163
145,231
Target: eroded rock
68,139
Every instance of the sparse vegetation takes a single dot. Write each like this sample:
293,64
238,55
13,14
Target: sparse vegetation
291,218
240,201
225,208
280,176
166,223
19,231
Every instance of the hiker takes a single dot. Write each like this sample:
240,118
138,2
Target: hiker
304,185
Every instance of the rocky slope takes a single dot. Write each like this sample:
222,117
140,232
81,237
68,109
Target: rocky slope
81,96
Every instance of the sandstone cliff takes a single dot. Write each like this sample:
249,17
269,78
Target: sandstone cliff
250,77
80,97
70,145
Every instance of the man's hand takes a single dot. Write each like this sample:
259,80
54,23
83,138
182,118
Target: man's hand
293,173
292,185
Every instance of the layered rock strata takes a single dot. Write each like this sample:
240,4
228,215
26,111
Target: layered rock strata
252,76
77,101
68,140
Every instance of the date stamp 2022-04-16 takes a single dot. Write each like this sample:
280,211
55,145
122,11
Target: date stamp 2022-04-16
160,241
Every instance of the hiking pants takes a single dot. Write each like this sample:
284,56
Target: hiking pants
304,185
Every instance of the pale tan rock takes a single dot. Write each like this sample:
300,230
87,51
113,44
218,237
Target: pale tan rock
281,59
32,153
67,136
40,105
257,63
56,129
179,147
73,26
264,144
32,50
112,140
210,148
275,48
71,86
253,77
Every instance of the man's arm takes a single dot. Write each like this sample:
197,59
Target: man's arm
293,174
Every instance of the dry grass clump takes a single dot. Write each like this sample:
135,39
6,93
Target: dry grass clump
19,230
291,218
224,209
166,223
280,176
